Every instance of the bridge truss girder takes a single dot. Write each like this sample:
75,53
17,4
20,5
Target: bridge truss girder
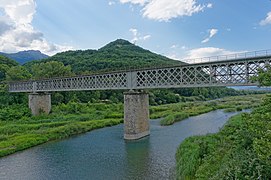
221,73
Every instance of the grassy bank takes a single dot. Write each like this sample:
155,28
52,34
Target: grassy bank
179,111
241,150
19,130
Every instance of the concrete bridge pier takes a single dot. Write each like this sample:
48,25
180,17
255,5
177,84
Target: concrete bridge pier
39,103
136,115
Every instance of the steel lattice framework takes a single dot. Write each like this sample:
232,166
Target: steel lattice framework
236,72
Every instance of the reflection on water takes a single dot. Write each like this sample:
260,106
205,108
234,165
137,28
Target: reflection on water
103,154
137,158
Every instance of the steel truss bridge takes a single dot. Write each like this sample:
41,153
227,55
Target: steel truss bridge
230,70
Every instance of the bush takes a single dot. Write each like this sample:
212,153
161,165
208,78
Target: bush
171,119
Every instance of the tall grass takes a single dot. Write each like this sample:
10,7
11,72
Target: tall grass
241,150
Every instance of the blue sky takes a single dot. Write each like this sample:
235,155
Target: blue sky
174,28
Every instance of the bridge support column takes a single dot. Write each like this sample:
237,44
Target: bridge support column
39,103
136,115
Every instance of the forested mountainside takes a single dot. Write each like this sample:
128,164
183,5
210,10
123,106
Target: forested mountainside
119,54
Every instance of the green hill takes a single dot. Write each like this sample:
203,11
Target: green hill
7,61
5,64
119,54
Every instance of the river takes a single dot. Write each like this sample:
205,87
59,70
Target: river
103,154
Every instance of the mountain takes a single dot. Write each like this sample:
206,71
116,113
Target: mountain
119,54
25,56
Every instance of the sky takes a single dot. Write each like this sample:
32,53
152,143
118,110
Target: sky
179,29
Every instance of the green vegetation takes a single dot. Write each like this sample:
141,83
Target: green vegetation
5,65
18,130
264,76
17,73
241,150
179,111
51,69
120,54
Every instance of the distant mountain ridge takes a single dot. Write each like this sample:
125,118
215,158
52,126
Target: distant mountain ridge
25,56
119,54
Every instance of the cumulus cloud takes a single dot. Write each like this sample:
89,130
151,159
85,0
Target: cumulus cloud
164,10
4,26
137,36
267,20
211,32
17,32
208,52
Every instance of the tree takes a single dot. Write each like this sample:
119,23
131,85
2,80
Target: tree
3,69
17,73
264,76
50,69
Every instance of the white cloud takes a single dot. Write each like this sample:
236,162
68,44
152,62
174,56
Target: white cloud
110,3
146,37
4,26
141,2
203,54
267,20
176,46
137,36
173,56
17,32
209,5
164,10
211,32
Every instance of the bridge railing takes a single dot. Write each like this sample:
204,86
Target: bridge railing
226,57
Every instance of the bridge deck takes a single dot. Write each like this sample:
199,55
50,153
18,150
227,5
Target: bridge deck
237,72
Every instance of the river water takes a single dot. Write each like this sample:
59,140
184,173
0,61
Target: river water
103,154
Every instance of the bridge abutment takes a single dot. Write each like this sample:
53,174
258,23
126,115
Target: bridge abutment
39,103
136,115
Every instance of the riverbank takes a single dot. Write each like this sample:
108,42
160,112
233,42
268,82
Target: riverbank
19,130
172,113
241,150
